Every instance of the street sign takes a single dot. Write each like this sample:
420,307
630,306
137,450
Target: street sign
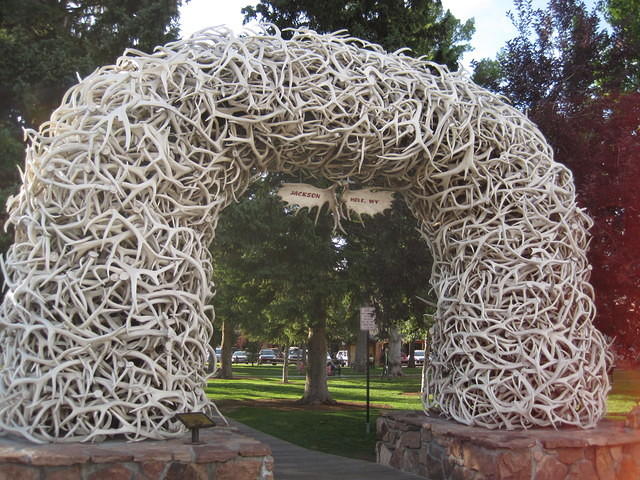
368,319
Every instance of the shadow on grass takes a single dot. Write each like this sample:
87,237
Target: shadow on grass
339,432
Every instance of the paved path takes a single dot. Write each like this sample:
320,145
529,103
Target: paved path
292,462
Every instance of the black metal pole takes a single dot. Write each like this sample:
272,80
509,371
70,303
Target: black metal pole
195,435
367,357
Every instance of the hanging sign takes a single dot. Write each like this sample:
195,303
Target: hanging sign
307,196
368,319
367,201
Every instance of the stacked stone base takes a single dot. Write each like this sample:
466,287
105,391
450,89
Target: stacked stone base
224,455
437,448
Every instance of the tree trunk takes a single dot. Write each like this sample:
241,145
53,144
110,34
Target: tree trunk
285,364
395,345
412,357
360,362
225,370
424,363
316,390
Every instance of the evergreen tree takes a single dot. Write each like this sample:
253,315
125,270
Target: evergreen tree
420,25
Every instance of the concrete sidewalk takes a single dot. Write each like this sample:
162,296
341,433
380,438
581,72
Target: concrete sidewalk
292,462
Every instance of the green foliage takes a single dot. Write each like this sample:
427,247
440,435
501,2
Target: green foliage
275,271
421,25
388,265
44,45
623,52
488,73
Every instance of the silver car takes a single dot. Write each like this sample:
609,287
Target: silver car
240,356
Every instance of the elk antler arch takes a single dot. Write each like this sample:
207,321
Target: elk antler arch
103,328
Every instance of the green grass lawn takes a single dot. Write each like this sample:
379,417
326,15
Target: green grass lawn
257,398
625,393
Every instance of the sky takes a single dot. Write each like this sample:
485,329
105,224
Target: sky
493,28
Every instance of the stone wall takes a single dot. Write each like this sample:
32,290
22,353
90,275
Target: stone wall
224,455
436,448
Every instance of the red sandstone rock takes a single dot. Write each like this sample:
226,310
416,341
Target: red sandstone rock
186,471
384,454
182,453
148,460
410,440
479,459
12,455
66,473
550,468
234,470
616,454
58,455
569,456
111,472
210,453
381,427
411,461
633,418
629,468
253,449
605,465
455,450
15,472
144,453
151,470
582,470
99,454
515,465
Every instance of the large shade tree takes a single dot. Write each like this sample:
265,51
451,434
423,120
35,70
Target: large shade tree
389,266
277,273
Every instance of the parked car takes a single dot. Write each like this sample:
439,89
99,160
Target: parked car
404,358
268,355
343,357
418,356
240,356
295,354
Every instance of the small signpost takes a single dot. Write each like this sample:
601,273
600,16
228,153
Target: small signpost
368,324
194,421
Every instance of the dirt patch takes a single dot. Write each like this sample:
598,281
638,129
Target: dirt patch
410,394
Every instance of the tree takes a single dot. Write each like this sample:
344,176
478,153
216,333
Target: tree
623,51
277,273
578,80
421,25
45,45
389,266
